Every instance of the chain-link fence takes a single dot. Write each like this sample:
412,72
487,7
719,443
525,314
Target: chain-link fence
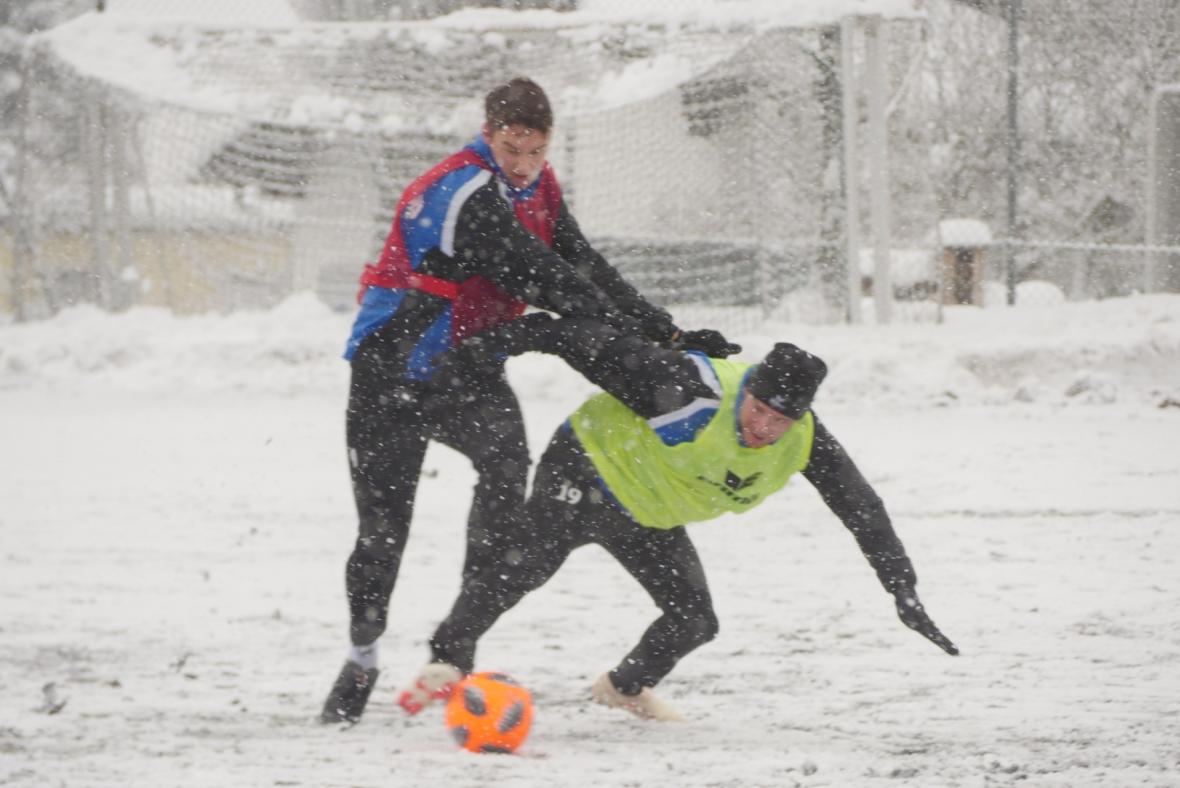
255,161
1085,75
211,168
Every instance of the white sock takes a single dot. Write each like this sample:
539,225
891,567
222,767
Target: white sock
365,656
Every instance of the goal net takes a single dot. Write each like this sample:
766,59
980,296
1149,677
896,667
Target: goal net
217,167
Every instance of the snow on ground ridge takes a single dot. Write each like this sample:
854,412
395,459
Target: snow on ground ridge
985,357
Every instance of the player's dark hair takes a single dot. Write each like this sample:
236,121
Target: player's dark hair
518,102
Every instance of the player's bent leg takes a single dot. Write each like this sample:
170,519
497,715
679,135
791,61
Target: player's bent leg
666,564
489,594
531,548
386,444
496,504
487,427
385,449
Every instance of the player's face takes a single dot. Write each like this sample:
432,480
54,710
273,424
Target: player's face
761,425
519,152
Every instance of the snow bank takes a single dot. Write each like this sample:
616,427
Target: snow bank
1124,351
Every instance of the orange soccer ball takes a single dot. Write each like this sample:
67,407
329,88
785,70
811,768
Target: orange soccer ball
489,712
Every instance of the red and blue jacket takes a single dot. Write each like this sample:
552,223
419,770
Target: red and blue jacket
468,251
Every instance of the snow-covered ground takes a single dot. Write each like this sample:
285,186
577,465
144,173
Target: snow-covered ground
175,515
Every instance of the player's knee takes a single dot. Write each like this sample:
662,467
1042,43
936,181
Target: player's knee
703,627
502,479
379,550
530,568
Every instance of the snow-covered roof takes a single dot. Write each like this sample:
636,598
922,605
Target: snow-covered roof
258,60
717,14
233,66
222,13
960,233
907,265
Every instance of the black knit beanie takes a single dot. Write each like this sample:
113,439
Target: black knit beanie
787,379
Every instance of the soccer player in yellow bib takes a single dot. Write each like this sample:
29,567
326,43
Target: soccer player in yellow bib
676,437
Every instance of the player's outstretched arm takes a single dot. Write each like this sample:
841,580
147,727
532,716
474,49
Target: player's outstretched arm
655,322
645,377
913,615
571,244
851,498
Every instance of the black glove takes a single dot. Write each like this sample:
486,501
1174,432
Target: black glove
658,326
913,615
707,341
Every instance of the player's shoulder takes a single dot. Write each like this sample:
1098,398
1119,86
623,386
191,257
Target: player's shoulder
705,373
466,179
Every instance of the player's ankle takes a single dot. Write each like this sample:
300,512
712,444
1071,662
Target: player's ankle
364,656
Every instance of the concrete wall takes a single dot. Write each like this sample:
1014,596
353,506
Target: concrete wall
187,272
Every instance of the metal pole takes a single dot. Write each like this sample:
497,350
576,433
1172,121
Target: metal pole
119,123
1164,186
1013,144
1149,264
878,87
97,168
851,169
22,263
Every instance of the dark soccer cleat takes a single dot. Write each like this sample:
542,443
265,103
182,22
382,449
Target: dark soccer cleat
346,702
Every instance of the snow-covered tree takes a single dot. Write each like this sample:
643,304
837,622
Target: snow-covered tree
19,18
1087,70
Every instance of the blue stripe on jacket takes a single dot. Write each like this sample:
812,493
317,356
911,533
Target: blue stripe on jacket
421,232
684,424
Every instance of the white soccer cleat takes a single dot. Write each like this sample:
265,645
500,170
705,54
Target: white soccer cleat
435,682
645,705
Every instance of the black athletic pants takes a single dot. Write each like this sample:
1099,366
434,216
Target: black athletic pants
567,509
390,419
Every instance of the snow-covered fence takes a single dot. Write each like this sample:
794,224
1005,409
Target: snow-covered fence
210,167
1086,74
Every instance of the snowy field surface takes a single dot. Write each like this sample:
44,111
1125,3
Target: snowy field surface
175,515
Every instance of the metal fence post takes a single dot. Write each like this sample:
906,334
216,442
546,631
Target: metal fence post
878,88
851,168
22,253
1013,146
1162,268
97,167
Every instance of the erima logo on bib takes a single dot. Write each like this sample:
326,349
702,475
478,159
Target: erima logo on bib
735,482
732,484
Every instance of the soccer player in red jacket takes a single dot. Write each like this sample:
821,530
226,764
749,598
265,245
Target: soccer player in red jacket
474,240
